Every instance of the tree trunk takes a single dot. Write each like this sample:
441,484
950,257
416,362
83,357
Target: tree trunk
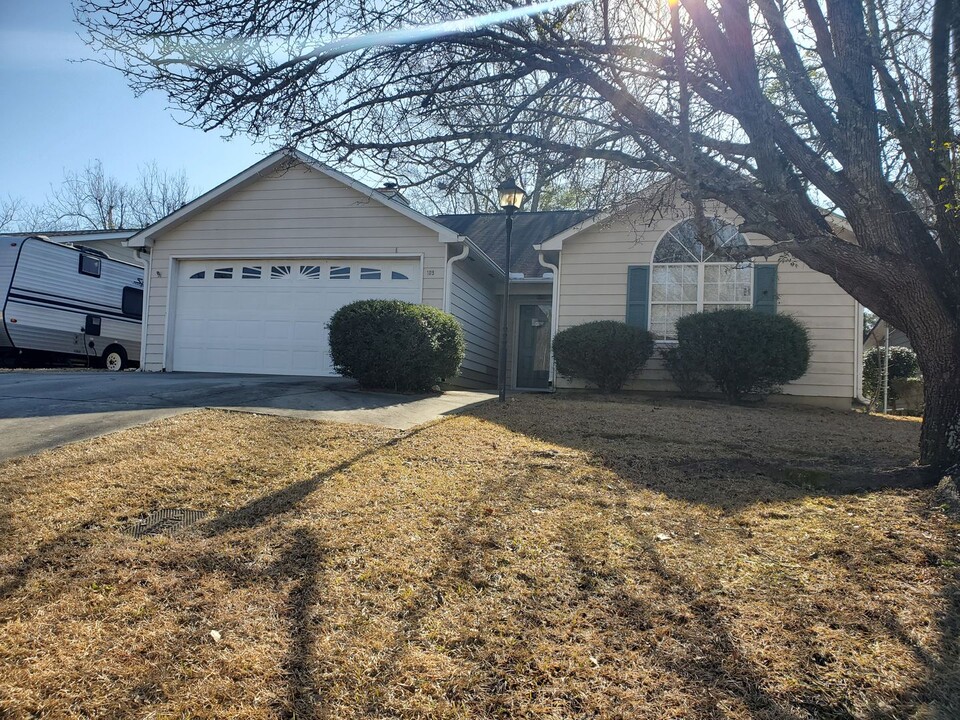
940,435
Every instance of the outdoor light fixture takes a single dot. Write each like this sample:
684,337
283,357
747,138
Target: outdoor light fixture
511,198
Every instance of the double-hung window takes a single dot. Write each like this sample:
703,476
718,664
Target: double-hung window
687,278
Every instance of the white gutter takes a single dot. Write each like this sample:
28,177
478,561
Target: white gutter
448,276
554,312
147,258
858,355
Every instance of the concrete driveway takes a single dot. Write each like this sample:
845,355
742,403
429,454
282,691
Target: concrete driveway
44,409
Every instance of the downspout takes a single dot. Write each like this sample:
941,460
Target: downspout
858,356
147,257
448,277
554,312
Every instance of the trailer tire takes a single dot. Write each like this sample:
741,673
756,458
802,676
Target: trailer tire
115,358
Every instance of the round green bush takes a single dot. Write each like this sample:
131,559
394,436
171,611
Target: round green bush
743,352
903,365
395,345
605,353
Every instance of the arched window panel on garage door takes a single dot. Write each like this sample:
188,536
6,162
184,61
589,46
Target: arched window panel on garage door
311,272
339,272
279,272
368,273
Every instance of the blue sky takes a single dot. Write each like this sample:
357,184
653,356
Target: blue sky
57,116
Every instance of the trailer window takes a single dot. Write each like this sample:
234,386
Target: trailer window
132,303
89,265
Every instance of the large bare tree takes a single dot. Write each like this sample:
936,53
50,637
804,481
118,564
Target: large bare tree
810,118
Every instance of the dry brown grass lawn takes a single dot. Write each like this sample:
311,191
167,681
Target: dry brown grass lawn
557,558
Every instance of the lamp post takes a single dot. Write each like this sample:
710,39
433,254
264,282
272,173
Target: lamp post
511,197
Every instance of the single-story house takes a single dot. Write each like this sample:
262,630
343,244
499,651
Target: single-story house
244,278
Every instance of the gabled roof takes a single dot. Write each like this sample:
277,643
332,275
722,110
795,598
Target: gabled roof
489,231
838,223
145,237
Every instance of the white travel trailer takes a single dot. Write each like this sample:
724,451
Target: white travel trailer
60,300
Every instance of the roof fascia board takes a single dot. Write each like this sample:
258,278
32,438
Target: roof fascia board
474,248
93,236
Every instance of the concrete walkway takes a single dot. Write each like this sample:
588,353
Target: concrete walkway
45,409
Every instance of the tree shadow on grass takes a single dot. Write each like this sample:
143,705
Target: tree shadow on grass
63,550
303,560
940,693
471,553
67,547
288,498
944,684
706,472
729,466
714,670
475,553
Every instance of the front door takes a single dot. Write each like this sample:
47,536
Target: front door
533,347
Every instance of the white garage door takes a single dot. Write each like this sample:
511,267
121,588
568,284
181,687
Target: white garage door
268,316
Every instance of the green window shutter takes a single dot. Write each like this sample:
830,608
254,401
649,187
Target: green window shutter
765,289
638,292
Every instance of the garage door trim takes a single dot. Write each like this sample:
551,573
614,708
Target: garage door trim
173,275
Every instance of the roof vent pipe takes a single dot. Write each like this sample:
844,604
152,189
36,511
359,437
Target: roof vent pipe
391,188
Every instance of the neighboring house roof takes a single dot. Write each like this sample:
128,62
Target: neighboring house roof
145,237
80,235
878,337
489,231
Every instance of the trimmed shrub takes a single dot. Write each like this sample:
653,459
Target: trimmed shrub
743,352
686,375
903,365
395,345
604,353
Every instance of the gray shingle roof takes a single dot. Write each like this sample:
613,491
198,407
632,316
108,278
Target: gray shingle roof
489,231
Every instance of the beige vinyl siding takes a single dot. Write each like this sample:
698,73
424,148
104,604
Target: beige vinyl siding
593,286
474,303
297,212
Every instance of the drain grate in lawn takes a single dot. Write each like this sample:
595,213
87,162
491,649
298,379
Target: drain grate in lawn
164,521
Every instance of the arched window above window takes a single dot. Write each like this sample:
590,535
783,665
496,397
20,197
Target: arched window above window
680,244
686,277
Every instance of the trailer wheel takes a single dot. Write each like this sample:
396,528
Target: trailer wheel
115,358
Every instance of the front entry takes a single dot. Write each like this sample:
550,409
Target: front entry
533,347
